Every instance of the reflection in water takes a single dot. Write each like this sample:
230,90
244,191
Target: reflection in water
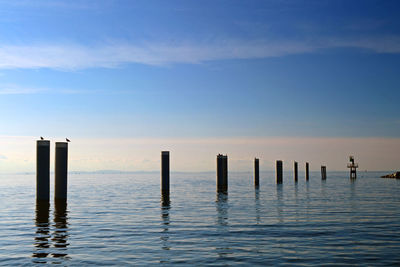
165,207
257,204
42,234
279,196
296,199
60,235
308,201
59,238
353,200
323,188
165,244
353,188
223,249
222,208
296,192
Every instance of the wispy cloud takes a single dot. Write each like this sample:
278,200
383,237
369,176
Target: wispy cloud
13,89
82,4
16,90
73,57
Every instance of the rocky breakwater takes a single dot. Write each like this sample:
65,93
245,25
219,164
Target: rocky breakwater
395,175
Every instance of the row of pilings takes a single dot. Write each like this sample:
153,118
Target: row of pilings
43,170
222,172
61,171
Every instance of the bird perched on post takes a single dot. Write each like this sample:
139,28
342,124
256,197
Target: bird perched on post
41,138
67,140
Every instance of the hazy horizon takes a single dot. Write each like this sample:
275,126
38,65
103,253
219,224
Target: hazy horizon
199,154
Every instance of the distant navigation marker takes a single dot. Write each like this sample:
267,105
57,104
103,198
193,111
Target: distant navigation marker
353,168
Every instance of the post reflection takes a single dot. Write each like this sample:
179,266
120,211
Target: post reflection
60,234
165,207
323,188
222,208
308,201
223,249
257,204
42,233
354,202
279,203
165,222
296,201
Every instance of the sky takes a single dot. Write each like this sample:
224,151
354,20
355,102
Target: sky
298,80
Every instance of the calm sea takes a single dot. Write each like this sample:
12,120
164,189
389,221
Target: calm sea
121,219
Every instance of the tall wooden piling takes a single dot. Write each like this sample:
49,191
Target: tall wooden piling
225,165
307,172
256,172
295,171
279,171
323,172
222,173
165,172
61,171
42,170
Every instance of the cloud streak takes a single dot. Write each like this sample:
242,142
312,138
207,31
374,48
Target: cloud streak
84,4
15,90
75,57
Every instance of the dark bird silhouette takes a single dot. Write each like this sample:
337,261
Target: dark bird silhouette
41,138
67,140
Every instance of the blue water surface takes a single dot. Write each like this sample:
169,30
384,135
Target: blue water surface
122,219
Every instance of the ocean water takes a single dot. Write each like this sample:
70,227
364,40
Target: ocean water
121,219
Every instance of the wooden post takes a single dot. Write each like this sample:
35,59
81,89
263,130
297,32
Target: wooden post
61,171
222,173
165,172
256,172
279,171
42,170
323,172
307,172
225,165
295,172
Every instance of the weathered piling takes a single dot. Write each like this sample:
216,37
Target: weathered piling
165,172
222,173
256,172
279,171
225,165
323,172
61,171
42,170
295,171
307,172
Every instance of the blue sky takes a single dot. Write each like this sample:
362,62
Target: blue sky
200,69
